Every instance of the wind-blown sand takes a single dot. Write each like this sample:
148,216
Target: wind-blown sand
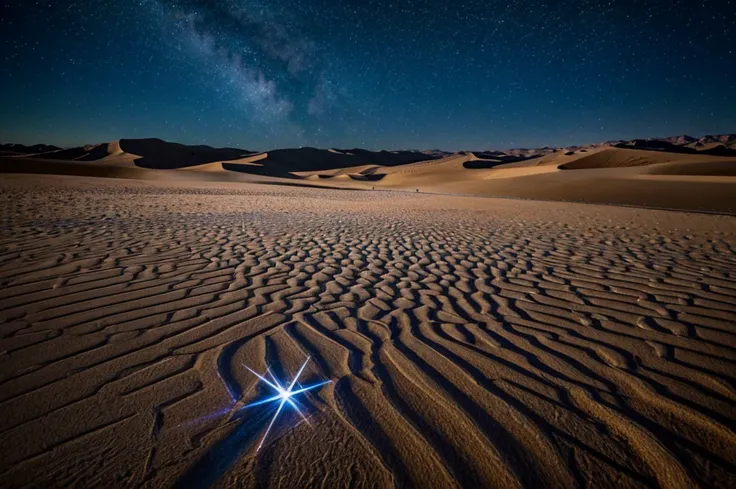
472,342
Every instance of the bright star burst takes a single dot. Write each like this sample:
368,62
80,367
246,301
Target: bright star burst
284,395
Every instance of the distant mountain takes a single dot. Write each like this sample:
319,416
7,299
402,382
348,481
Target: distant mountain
435,153
680,140
715,145
22,149
724,139
720,145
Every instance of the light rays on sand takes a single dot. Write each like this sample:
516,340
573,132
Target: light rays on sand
284,395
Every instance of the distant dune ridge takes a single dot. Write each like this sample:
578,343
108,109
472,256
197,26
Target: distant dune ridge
159,154
146,153
681,172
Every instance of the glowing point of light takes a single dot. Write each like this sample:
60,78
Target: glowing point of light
283,396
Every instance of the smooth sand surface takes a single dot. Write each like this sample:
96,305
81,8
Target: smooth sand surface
471,342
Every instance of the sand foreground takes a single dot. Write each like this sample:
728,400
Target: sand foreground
471,342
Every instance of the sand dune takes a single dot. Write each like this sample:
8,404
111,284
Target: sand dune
471,342
353,170
618,158
422,170
686,168
159,154
146,153
314,159
221,166
122,168
604,173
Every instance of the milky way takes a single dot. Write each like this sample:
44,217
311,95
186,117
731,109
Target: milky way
262,57
473,74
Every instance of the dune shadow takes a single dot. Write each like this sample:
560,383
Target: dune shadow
482,164
266,171
162,155
216,462
72,168
502,157
373,177
309,185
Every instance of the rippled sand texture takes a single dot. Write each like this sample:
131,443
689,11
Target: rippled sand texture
471,342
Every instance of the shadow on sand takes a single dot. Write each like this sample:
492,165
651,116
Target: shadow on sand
225,453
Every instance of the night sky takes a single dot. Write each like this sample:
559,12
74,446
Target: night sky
466,74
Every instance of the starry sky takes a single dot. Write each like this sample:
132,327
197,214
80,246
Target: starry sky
379,74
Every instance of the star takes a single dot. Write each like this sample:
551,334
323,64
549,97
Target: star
261,74
284,395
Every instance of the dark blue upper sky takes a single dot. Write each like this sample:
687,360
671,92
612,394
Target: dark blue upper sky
466,74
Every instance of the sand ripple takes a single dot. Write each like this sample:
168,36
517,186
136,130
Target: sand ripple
472,342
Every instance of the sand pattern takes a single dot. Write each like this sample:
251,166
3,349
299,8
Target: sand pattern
471,342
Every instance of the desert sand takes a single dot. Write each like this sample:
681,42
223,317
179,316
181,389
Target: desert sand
679,177
469,341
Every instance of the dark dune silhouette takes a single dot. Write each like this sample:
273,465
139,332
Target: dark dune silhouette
482,164
314,159
79,153
159,154
148,153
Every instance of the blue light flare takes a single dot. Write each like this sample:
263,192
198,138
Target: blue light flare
284,395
